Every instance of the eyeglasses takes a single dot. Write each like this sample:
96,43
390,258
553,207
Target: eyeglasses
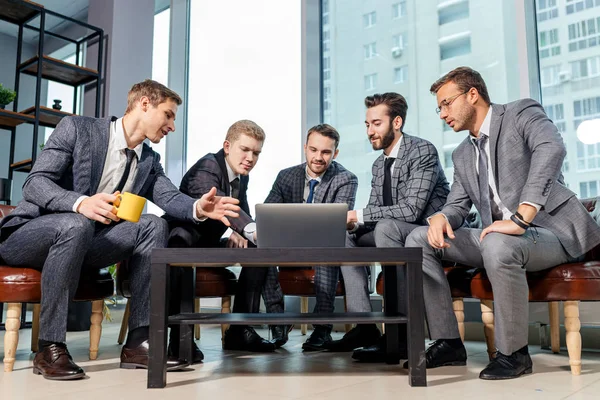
445,104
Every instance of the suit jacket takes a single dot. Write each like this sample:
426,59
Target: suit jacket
211,171
71,165
338,185
419,185
526,152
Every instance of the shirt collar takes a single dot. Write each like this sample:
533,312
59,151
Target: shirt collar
121,143
396,149
485,126
230,174
309,178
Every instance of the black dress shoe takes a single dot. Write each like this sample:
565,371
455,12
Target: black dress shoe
508,367
280,334
138,358
317,340
359,336
245,338
444,353
197,356
55,363
376,352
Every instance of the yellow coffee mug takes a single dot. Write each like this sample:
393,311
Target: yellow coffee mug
129,206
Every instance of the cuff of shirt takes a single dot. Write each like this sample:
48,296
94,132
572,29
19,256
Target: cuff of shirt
359,217
537,206
249,231
194,213
78,202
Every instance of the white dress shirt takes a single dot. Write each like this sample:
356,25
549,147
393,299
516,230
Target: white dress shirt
251,227
307,179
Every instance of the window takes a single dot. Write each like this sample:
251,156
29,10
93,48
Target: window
369,19
326,40
549,75
588,189
398,41
585,109
400,74
370,81
453,12
325,12
326,98
326,68
547,9
588,156
455,48
370,51
574,6
584,34
399,9
548,42
586,68
556,112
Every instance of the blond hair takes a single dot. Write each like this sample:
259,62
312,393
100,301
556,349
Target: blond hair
245,127
156,92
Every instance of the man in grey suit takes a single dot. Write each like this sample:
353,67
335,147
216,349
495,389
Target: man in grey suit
509,168
318,180
67,218
408,185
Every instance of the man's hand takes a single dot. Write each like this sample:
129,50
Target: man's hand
506,226
217,207
236,241
438,226
99,208
351,220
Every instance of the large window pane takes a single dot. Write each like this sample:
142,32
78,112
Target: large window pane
574,75
411,54
245,63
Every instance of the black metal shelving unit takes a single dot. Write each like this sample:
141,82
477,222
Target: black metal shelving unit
43,67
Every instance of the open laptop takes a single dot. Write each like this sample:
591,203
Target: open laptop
301,225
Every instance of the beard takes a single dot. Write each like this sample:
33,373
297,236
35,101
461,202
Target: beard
386,140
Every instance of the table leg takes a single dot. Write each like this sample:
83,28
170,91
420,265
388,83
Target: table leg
417,373
159,305
391,299
186,332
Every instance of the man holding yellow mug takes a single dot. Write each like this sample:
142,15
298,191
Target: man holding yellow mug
68,217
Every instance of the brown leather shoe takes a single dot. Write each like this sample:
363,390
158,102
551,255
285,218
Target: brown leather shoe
55,363
138,358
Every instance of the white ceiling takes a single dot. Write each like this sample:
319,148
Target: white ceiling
76,9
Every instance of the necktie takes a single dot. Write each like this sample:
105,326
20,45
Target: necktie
235,188
311,190
387,181
485,209
130,154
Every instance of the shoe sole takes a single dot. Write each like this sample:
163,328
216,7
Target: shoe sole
500,378
312,348
59,378
142,366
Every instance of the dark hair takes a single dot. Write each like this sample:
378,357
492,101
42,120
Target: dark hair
465,78
395,102
156,92
327,131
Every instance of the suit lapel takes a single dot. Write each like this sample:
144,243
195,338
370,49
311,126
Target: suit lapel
495,128
226,187
401,159
298,181
379,166
99,137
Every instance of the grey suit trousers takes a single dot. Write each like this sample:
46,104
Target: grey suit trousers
387,233
60,244
505,258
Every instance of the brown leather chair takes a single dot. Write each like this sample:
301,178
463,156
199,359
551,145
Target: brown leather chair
23,285
210,283
300,281
569,283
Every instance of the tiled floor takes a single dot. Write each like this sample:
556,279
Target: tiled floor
291,374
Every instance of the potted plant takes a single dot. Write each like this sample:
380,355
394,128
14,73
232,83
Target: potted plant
6,96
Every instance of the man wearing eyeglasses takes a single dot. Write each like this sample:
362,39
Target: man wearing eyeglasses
509,167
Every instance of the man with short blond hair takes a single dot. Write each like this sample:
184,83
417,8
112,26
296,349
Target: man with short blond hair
67,219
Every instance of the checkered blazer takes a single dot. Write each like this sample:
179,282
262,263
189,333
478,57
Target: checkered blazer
338,185
419,185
